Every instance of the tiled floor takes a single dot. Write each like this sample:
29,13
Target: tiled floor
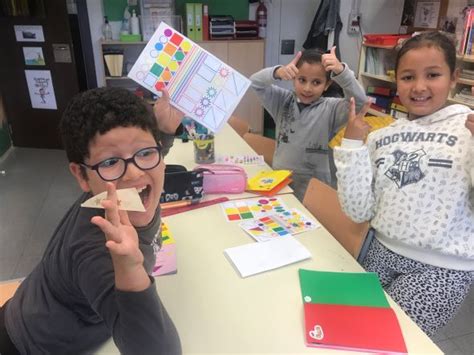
36,191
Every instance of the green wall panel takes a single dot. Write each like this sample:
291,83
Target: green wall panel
239,9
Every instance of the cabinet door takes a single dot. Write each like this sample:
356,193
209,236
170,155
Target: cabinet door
247,58
219,49
52,84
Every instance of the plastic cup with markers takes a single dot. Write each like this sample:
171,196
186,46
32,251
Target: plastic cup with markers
204,149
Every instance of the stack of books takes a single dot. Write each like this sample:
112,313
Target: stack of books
465,96
268,183
467,74
380,98
222,27
397,110
348,311
465,45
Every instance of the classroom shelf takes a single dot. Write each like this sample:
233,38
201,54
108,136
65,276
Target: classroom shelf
384,78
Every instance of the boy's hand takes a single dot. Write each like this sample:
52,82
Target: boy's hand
470,123
357,128
122,242
289,71
331,63
167,117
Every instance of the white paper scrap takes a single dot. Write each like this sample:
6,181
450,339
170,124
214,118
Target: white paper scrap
129,200
254,258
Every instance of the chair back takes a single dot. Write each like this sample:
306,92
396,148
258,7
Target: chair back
321,200
239,125
262,145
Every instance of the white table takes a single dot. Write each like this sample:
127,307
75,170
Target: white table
218,312
227,141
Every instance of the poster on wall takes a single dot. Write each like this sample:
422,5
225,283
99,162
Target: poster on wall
427,14
33,56
29,33
40,87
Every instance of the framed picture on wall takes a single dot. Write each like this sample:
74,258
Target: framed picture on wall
427,14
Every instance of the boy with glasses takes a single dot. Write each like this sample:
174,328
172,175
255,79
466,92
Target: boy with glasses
93,281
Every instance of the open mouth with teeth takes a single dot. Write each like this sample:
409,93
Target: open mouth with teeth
420,99
144,193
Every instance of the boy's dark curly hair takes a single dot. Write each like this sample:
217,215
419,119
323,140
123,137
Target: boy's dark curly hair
97,111
312,56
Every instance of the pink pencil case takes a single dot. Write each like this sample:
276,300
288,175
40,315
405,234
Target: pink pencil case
223,178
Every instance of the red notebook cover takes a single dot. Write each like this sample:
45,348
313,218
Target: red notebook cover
362,328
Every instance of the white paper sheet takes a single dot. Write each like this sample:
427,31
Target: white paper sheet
254,258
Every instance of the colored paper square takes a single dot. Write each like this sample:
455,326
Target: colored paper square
233,217
160,85
173,66
179,56
166,76
169,49
163,59
176,39
279,229
247,215
243,209
156,69
186,45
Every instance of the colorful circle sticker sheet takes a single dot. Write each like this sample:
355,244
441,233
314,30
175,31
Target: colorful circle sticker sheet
200,85
241,210
278,225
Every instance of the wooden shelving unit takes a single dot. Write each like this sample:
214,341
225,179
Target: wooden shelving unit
368,78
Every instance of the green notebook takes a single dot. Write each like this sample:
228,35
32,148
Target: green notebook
343,288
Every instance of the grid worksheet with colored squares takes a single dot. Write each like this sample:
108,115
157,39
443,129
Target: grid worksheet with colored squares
200,85
241,210
278,225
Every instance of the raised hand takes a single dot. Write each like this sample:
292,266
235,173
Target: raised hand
289,71
167,117
357,128
331,63
122,242
470,123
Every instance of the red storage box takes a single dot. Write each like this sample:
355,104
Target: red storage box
384,39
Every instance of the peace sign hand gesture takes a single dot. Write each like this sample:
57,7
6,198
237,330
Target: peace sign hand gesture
289,71
121,237
357,128
331,63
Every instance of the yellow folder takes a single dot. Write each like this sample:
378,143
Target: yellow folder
267,179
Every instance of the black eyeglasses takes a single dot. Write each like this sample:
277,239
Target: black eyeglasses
114,168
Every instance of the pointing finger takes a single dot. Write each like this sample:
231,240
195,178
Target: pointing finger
333,50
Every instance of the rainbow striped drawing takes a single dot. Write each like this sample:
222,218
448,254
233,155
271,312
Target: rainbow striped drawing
199,84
